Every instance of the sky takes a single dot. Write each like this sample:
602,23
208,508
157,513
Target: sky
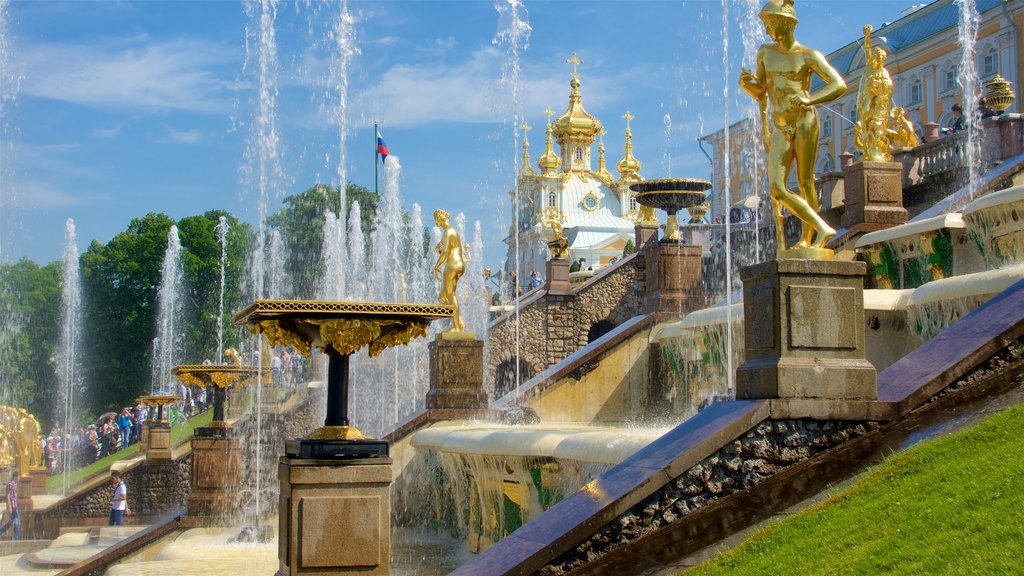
111,110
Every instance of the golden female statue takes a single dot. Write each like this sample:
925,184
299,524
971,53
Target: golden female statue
902,134
874,97
449,251
30,453
783,79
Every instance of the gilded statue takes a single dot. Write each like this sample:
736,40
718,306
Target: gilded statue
559,244
783,81
232,358
449,251
901,132
874,97
30,453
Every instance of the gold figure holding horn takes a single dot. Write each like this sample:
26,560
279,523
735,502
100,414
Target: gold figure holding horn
783,80
449,251
874,97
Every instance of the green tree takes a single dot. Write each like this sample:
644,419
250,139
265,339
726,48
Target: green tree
629,248
30,298
201,266
301,225
119,300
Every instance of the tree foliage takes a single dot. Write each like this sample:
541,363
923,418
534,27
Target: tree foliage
30,301
301,225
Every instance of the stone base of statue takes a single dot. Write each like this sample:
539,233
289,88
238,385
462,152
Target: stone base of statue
644,232
216,468
38,476
25,508
335,517
456,373
874,194
158,446
673,279
557,272
144,439
804,332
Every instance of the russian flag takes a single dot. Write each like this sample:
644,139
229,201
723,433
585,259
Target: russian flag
382,149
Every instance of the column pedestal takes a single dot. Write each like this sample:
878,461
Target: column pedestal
557,272
159,442
673,279
644,233
216,474
874,194
144,439
804,332
456,372
335,517
38,476
25,508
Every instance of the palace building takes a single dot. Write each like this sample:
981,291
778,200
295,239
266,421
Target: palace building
594,207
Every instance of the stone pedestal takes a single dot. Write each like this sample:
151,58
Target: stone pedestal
557,271
804,331
673,279
38,476
456,373
335,517
644,233
25,508
874,194
237,402
159,442
144,439
216,475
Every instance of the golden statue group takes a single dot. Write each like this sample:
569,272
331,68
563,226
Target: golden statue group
781,85
19,439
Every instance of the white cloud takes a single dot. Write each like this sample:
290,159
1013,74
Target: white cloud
133,72
35,195
469,91
108,132
184,136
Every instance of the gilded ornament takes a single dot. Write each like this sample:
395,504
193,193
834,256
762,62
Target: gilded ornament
450,254
901,132
999,96
781,83
874,97
558,244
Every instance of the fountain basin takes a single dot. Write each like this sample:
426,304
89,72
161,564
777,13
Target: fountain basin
671,195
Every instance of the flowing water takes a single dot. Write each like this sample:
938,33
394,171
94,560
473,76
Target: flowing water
222,239
967,35
169,315
70,346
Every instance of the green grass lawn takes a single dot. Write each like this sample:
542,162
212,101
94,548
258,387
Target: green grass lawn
951,505
179,434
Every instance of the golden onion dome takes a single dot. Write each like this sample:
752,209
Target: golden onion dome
549,162
576,123
629,166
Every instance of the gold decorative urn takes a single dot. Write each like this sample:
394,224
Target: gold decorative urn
999,96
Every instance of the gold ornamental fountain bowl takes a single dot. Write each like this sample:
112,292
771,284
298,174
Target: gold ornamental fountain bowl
216,378
339,329
672,195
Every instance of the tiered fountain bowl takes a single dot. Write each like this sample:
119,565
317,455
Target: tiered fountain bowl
672,195
339,329
216,378
156,403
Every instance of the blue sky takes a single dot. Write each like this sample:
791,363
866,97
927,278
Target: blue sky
115,109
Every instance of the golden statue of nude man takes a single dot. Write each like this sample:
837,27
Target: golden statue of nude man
449,253
783,80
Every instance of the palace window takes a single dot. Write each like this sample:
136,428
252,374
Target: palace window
632,203
951,78
990,64
916,92
853,116
826,126
579,154
552,199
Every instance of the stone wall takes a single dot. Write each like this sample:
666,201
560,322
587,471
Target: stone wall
155,488
552,327
766,449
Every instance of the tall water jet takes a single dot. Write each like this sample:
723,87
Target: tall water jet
355,288
514,35
68,368
967,32
9,83
343,49
222,238
169,314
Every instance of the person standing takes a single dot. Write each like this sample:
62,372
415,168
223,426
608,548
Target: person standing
119,503
13,519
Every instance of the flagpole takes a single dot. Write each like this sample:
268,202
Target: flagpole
376,179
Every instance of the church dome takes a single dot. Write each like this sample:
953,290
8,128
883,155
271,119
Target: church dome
576,123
